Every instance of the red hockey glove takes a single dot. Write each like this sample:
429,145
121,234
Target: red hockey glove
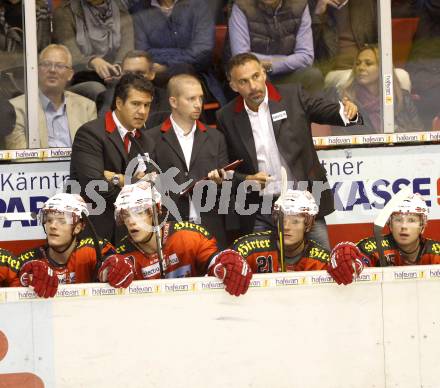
233,270
345,263
38,274
117,270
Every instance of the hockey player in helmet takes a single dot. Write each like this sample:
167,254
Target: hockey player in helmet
65,258
405,245
288,249
172,250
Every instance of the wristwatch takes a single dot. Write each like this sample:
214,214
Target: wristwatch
115,180
269,68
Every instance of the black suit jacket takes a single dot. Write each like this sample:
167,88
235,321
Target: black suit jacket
293,136
97,147
208,153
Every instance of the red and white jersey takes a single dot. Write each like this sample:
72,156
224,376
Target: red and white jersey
9,266
81,267
429,252
187,251
261,252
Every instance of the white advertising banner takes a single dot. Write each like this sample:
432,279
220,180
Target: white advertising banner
363,180
24,188
290,330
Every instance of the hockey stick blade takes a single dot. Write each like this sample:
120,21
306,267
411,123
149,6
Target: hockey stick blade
385,213
28,216
283,186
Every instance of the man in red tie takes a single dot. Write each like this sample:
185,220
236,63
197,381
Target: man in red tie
103,148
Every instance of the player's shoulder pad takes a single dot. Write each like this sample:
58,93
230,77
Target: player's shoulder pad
190,227
368,245
125,246
7,259
5,252
432,247
89,242
31,254
317,252
254,242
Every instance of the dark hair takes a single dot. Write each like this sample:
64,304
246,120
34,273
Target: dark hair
131,81
138,54
239,60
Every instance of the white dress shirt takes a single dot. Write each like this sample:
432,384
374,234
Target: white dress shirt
121,129
186,143
268,156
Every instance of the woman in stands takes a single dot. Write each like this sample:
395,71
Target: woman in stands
363,88
98,33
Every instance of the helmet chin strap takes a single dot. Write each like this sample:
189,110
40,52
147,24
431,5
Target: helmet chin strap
294,247
147,240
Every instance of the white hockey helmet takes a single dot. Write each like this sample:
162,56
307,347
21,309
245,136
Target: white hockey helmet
414,203
72,205
296,202
136,198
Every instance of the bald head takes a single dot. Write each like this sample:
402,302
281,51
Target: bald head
178,83
186,99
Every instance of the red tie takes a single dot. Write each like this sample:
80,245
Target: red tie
127,140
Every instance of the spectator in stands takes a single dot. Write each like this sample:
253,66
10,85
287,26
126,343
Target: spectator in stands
103,148
61,112
279,33
98,33
11,24
340,29
180,36
139,62
8,117
424,65
363,87
184,142
269,127
216,6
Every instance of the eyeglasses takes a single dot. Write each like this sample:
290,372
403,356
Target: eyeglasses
47,65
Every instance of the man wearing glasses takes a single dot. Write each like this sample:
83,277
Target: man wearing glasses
60,112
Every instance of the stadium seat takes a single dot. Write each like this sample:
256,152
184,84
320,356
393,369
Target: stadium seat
436,123
403,31
220,36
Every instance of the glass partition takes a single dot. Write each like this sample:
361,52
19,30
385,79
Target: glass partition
12,71
353,44
416,57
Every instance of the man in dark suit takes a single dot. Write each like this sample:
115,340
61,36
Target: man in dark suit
103,148
197,151
269,128
139,62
